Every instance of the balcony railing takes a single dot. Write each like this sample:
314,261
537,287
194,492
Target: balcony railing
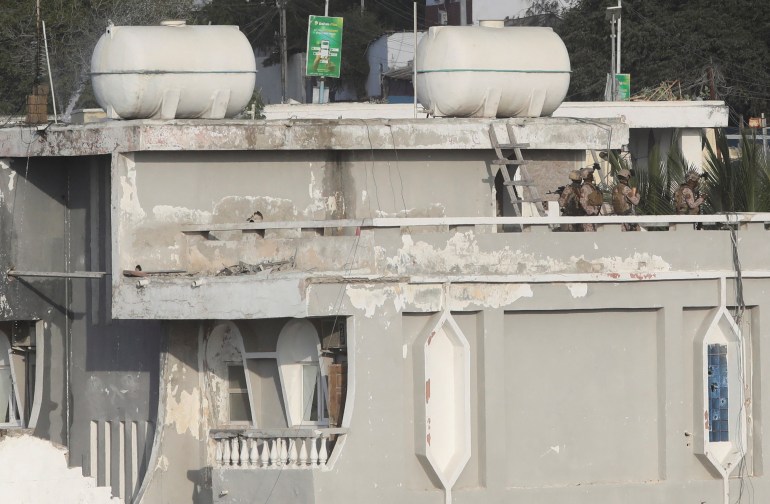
274,448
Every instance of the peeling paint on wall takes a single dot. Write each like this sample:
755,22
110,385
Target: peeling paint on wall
424,298
368,298
6,165
462,252
5,308
578,290
130,208
428,298
488,296
184,412
175,215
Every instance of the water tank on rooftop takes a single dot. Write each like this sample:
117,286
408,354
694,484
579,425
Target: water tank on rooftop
485,71
173,71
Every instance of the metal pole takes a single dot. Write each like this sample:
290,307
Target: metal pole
613,62
50,77
322,83
463,13
284,56
414,62
56,274
620,21
38,63
764,136
363,8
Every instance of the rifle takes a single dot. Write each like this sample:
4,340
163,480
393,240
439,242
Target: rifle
558,190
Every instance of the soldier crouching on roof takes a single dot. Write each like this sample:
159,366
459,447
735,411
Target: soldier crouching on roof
569,200
591,197
624,198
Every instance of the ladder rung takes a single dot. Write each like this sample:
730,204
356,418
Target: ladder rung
508,162
514,146
534,200
519,183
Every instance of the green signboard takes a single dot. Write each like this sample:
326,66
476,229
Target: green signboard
624,86
324,46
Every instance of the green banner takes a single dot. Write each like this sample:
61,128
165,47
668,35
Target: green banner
624,86
324,46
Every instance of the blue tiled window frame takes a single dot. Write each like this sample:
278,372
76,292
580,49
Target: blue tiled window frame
718,393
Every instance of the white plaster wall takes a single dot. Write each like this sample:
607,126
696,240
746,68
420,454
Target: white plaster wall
387,53
691,145
268,81
34,471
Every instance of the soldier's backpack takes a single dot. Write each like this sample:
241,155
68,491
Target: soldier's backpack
595,197
680,205
619,202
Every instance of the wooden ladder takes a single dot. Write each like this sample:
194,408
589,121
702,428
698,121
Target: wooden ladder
529,193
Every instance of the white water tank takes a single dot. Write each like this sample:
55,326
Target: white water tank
483,71
173,71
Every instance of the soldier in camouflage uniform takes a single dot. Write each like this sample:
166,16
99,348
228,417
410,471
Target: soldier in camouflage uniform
624,198
569,200
591,197
687,199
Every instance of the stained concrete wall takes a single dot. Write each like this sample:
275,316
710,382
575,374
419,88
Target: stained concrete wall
289,186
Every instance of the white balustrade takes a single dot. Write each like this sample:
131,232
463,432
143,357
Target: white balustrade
279,449
218,454
302,453
313,452
226,451
244,452
253,454
234,454
264,459
273,452
284,452
323,454
292,452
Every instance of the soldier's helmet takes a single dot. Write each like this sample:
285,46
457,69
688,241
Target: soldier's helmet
624,173
574,176
587,173
692,176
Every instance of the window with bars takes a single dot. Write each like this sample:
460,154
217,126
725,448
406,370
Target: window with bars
719,428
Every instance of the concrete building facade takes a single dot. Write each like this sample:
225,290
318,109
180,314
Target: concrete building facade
340,311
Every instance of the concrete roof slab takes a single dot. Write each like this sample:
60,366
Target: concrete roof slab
307,134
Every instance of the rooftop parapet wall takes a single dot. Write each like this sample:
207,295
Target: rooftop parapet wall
348,134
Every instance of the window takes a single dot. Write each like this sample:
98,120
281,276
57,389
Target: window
9,399
303,374
719,429
238,394
314,395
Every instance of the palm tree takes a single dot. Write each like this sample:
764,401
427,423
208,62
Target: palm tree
737,185
657,180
